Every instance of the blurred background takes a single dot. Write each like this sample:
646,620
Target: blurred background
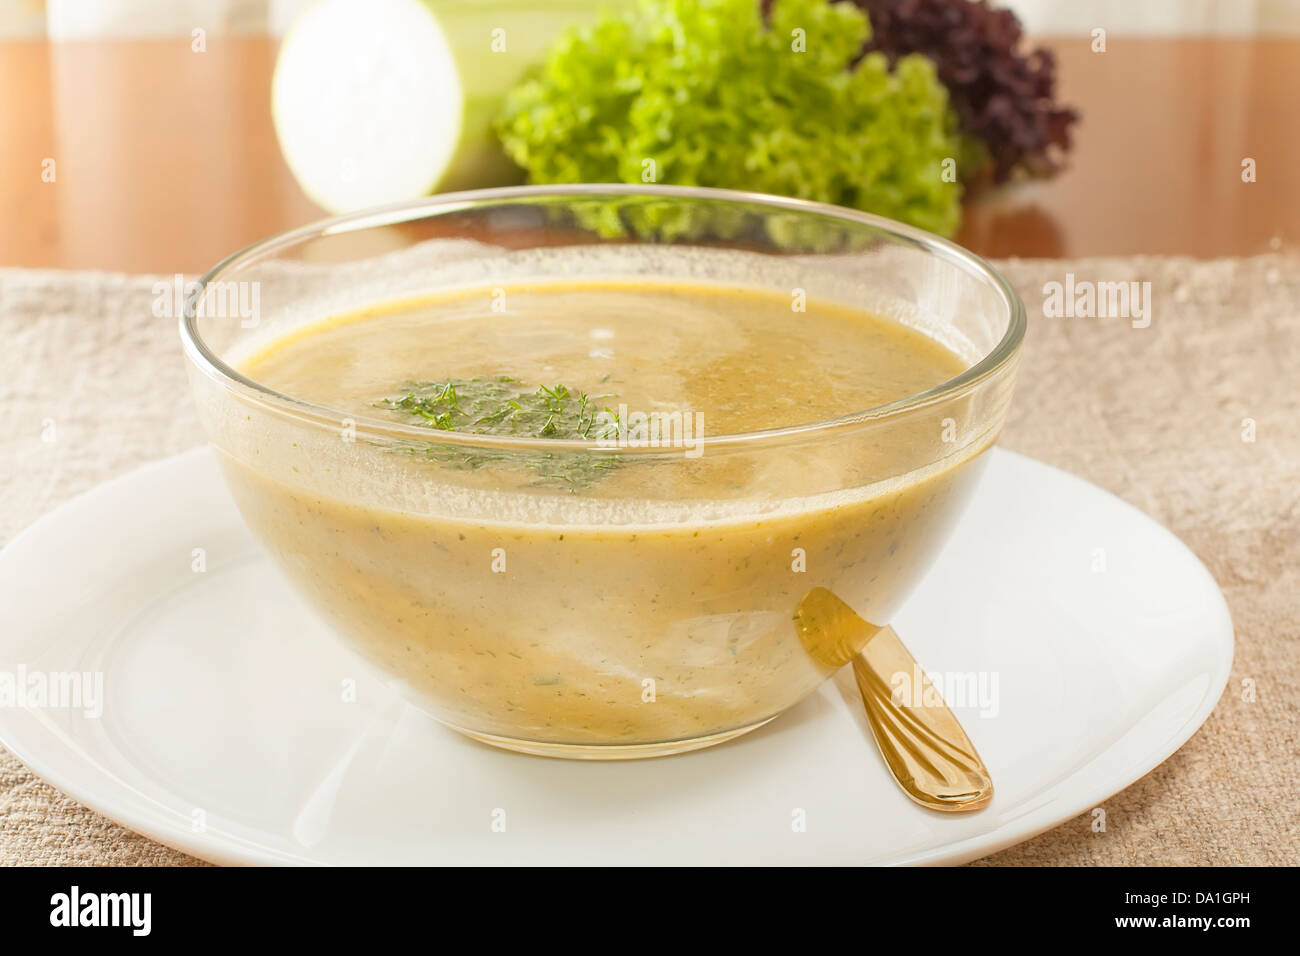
165,157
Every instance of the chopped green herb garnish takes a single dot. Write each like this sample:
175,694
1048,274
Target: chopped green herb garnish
505,406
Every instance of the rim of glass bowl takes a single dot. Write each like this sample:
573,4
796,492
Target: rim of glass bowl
394,213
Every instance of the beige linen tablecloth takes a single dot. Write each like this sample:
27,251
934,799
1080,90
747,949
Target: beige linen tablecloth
1154,415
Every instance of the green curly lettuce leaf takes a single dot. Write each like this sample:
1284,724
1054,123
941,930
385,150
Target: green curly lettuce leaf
703,92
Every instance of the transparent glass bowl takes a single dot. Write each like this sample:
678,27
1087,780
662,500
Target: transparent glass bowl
625,621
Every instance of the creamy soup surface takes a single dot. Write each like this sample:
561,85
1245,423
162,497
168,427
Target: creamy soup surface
603,634
746,361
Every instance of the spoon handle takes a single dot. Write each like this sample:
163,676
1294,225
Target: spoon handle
930,755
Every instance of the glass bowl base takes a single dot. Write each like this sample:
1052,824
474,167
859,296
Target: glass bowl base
541,748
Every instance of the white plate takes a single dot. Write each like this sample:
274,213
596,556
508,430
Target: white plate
224,733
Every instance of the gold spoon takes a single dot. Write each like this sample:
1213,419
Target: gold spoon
928,752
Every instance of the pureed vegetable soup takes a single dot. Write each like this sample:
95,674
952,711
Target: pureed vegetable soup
590,598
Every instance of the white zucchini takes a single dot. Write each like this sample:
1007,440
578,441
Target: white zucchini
381,100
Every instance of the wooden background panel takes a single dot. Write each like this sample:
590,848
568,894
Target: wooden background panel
166,159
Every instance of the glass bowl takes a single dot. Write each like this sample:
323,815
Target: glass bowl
667,610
